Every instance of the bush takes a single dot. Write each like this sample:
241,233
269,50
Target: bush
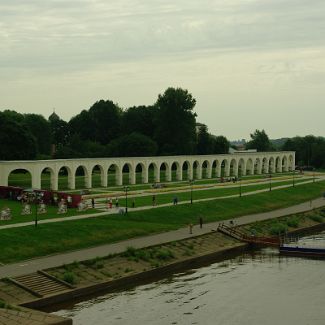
316,218
69,277
278,229
164,254
293,222
130,251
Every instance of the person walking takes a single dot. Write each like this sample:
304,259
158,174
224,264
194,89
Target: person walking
93,203
116,202
153,200
190,226
133,203
201,222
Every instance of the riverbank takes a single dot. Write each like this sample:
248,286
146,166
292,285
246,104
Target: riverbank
135,266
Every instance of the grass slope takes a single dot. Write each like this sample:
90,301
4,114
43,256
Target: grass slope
27,242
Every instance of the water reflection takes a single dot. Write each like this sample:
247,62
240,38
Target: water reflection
258,288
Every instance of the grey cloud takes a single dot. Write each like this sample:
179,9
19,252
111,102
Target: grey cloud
61,33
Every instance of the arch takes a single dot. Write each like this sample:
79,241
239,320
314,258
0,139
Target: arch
141,173
187,171
265,165
153,173
206,169
249,167
66,178
98,177
197,170
165,172
49,179
258,166
271,165
285,164
20,177
176,171
225,167
241,167
214,168
233,167
114,175
128,174
291,163
82,177
278,164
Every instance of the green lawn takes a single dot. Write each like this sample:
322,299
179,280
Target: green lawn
23,243
201,194
16,208
139,201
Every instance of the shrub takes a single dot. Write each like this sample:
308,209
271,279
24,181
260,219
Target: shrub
69,277
130,251
293,222
316,218
164,254
278,229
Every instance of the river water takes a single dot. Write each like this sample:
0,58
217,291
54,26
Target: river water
255,288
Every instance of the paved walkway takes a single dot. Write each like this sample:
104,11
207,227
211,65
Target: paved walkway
147,207
30,266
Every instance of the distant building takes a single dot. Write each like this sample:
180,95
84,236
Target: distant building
54,117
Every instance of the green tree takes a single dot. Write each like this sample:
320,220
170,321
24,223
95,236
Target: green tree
220,145
259,141
139,119
17,142
175,122
41,130
204,141
102,123
310,150
132,145
59,132
78,148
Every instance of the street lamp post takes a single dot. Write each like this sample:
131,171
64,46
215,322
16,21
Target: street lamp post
240,192
126,198
313,175
191,184
34,197
270,179
293,177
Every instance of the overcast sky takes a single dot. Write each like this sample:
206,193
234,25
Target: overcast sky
250,64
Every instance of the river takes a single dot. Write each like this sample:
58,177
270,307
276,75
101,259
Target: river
256,288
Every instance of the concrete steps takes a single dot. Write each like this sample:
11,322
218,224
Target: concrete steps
41,284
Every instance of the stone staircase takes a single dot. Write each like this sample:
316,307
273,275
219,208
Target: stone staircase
41,284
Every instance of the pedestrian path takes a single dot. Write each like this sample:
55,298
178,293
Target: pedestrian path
102,207
30,266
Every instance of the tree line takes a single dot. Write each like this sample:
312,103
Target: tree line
168,127
310,150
